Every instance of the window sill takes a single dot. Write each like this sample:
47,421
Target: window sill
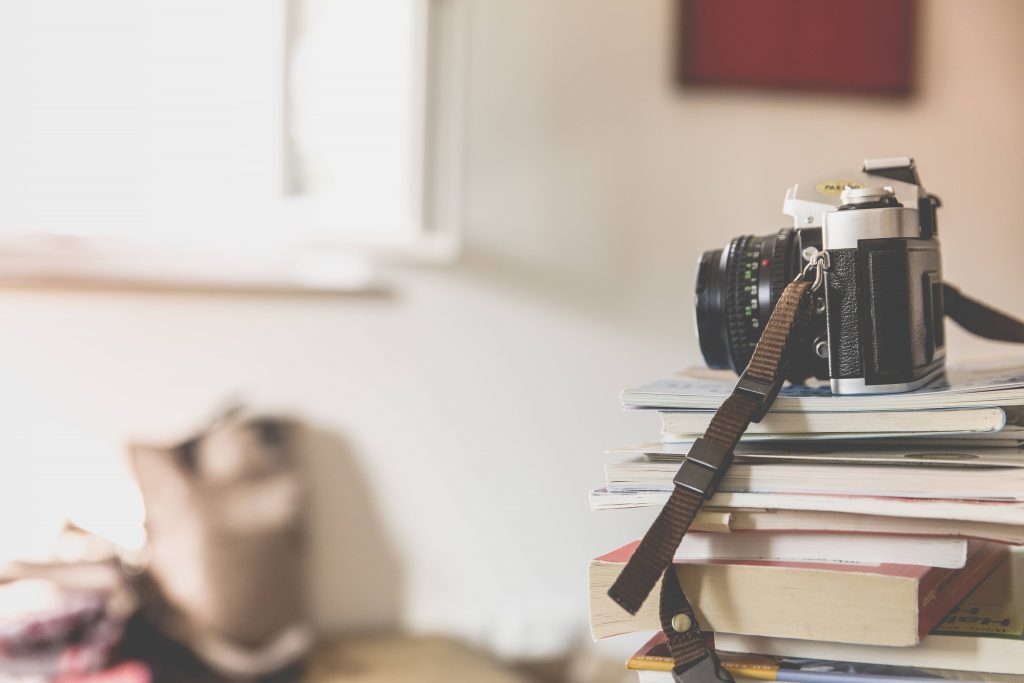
35,260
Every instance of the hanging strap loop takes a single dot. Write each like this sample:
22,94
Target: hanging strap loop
697,480
979,318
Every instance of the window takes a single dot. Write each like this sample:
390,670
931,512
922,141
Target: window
235,142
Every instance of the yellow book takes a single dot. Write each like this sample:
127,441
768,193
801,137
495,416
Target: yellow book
654,665
995,609
654,656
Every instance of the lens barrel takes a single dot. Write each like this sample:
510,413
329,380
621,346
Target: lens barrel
737,287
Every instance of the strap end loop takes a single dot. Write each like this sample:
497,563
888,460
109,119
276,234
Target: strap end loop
707,670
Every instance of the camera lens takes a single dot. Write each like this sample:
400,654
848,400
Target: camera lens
736,289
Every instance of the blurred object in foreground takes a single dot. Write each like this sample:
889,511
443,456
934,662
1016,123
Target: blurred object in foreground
401,658
128,672
62,621
225,523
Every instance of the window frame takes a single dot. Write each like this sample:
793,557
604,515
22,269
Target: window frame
307,249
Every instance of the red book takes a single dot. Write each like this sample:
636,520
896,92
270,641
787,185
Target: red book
886,604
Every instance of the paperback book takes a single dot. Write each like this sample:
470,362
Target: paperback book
654,665
888,604
985,632
871,549
910,480
980,386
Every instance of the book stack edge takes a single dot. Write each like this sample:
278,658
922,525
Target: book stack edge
859,535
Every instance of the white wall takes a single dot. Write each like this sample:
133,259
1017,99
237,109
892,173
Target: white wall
465,415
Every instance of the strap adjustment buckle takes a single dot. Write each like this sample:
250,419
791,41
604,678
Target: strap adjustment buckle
761,392
703,468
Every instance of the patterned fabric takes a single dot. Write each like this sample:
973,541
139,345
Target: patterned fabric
47,631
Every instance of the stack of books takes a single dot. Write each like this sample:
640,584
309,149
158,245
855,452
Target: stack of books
863,535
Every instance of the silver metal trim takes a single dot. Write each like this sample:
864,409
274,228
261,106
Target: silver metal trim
856,385
820,263
844,229
887,162
855,196
807,206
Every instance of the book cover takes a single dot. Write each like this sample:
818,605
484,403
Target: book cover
717,520
654,657
993,511
882,605
961,420
833,548
943,453
833,478
985,632
991,385
995,609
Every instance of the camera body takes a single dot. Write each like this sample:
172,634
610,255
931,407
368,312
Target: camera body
877,324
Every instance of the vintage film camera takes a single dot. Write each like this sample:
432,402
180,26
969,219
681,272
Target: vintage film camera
878,321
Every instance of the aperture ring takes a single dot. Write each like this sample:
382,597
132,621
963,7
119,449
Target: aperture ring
742,320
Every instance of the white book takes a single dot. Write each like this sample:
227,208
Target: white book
997,512
962,420
1009,437
719,520
941,453
835,548
845,479
991,385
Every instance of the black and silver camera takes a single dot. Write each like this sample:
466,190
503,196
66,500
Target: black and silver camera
878,320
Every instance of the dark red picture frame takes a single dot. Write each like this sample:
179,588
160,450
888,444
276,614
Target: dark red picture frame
822,45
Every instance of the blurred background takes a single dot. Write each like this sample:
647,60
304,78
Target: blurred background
438,236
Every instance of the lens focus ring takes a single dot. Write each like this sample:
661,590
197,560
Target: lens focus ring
779,275
742,320
737,288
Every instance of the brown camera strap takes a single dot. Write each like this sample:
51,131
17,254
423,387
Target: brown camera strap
696,481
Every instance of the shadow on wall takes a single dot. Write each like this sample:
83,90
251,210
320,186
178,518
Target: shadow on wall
354,570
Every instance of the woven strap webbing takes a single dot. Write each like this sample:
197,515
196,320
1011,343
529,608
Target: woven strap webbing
979,318
653,557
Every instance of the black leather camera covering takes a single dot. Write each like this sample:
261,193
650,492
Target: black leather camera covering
884,310
842,313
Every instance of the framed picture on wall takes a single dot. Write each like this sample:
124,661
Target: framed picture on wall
863,47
